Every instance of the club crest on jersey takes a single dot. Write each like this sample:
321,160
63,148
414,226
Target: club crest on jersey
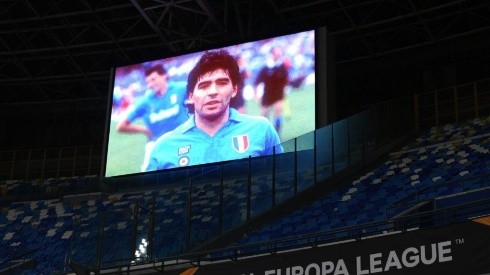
184,161
240,143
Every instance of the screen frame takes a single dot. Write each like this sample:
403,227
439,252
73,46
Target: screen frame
319,86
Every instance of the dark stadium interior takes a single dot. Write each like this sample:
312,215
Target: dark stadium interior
391,58
56,55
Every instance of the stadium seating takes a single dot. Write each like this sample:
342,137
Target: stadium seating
445,160
18,190
446,165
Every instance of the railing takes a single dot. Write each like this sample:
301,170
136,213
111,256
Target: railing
30,164
452,104
16,259
428,219
419,195
337,146
20,190
223,196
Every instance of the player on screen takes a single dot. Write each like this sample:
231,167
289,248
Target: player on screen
238,102
275,77
161,109
215,132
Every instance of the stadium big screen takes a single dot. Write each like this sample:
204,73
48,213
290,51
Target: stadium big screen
154,115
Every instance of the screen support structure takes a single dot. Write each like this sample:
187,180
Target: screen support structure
325,78
107,126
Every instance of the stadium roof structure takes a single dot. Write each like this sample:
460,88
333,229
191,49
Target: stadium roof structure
55,50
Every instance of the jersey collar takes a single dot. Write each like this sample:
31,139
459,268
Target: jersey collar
235,115
190,123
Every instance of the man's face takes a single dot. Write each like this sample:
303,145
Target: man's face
157,82
212,94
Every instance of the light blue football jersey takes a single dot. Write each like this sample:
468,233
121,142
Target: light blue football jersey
162,114
240,137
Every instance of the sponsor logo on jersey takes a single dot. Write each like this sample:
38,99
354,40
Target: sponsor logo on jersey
184,150
184,161
240,143
164,114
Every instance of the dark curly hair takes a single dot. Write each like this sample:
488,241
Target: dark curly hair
211,61
158,68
